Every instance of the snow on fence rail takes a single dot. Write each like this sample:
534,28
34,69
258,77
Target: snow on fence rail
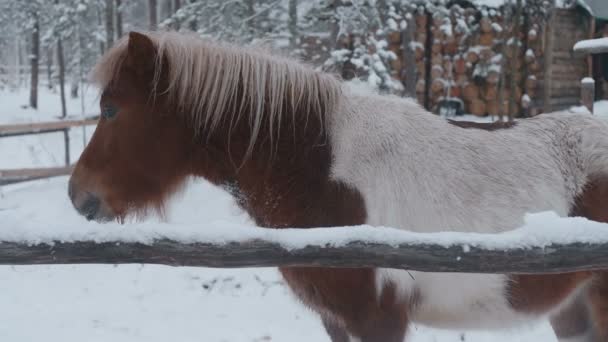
545,244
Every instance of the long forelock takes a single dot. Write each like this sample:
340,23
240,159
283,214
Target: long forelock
209,80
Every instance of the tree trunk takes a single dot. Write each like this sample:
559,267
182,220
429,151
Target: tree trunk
293,23
61,67
515,56
34,58
118,11
166,9
102,45
177,4
251,20
409,56
152,14
109,19
382,9
49,67
548,67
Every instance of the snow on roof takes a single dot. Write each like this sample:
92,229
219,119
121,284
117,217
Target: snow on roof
599,45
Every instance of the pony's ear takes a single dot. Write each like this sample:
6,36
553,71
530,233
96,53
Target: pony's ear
141,54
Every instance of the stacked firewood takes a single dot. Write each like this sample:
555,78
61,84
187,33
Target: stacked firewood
487,62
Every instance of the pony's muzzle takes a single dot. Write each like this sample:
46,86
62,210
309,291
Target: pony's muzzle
88,204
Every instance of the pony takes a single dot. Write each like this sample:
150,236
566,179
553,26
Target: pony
297,148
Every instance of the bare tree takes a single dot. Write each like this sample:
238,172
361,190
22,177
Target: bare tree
293,23
152,14
515,55
34,59
177,4
118,12
109,21
49,66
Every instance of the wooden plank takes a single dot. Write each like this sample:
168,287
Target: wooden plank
426,257
43,127
23,175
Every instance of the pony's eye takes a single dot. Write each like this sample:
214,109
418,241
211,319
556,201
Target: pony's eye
109,111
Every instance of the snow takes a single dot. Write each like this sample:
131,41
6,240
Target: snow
131,303
496,27
588,80
598,43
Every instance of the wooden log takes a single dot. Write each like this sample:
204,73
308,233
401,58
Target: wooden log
472,56
437,72
477,107
421,20
470,91
486,39
438,87
436,48
486,54
460,65
493,77
437,59
462,79
394,37
455,91
420,86
492,108
531,83
490,93
424,257
485,24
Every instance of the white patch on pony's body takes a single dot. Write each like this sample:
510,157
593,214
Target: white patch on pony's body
420,173
453,300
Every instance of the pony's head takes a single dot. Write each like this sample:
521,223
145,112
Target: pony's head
140,150
173,105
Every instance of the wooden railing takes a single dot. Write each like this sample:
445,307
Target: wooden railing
590,47
15,130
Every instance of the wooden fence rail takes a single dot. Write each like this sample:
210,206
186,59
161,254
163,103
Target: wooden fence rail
15,130
22,175
357,254
43,127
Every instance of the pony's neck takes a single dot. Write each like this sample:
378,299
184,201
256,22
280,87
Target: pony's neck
285,182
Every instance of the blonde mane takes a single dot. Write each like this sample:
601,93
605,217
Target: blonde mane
207,79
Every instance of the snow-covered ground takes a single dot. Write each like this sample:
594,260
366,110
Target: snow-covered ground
151,303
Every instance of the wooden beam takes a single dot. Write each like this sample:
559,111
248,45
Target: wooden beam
43,127
22,175
357,254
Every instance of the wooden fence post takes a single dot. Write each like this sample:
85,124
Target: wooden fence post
588,93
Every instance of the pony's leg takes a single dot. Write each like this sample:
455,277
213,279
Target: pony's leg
574,323
598,302
335,332
350,296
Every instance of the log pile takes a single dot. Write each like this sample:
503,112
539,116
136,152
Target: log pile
464,53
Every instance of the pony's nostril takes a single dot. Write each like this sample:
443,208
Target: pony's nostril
90,207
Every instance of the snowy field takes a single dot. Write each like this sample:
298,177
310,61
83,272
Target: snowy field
150,303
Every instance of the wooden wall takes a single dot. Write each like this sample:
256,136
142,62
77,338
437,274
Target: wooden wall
568,69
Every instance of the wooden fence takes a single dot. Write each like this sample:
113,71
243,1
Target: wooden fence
15,130
260,252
